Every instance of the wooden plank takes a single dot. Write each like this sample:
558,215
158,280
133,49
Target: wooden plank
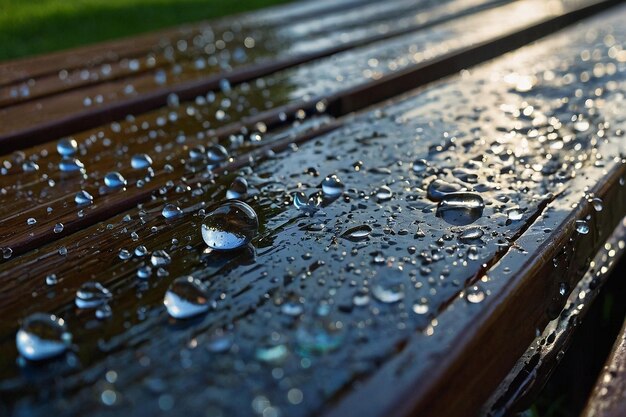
107,52
372,356
237,47
608,398
533,370
52,116
344,82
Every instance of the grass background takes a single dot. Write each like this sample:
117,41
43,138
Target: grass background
29,27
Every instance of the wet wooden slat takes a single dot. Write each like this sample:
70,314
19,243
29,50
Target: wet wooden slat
608,398
380,358
107,52
442,55
57,115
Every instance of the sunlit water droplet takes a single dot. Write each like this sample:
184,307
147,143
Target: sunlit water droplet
438,189
597,204
460,208
186,297
67,147
383,194
83,197
42,336
470,234
308,204
141,161
332,186
582,227
171,211
419,165
238,189
357,233
230,226
474,295
91,295
114,180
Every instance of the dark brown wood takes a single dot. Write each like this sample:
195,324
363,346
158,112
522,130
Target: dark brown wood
608,398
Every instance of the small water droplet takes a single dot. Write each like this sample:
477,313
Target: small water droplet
216,154
419,165
141,161
114,180
69,164
186,297
141,251
104,312
307,204
91,295
31,221
83,197
160,258
582,227
332,186
383,194
231,225
171,211
597,204
438,189
58,228
67,147
125,254
388,287
357,233
51,279
42,336
471,234
460,208
474,294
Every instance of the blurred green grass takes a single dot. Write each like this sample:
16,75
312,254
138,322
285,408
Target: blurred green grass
29,27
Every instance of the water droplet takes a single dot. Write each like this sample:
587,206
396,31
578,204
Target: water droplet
42,336
361,298
141,161
307,204
144,272
272,354
69,164
582,227
104,312
141,251
125,254
357,233
438,189
388,286
460,208
51,279
470,234
186,297
238,189
31,221
597,204
30,166
474,294
419,165
514,214
160,258
171,211
58,228
67,147
317,338
91,295
216,154
383,194
332,186
83,197
231,225
420,308
114,180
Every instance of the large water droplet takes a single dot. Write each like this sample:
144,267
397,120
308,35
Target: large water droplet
67,147
114,180
230,226
42,336
216,154
332,186
171,211
438,189
141,161
460,208
91,295
186,297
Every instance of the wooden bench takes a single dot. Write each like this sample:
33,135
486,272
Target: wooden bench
377,302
